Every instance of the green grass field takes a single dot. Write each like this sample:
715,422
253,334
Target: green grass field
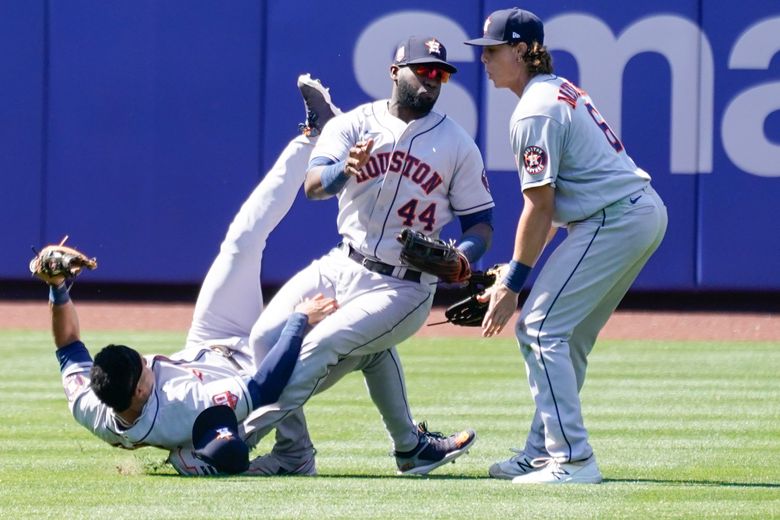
682,430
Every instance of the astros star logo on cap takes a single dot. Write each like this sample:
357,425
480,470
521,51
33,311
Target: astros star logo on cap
434,47
224,434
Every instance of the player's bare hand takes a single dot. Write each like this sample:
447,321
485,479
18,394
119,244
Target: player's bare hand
358,157
317,308
503,304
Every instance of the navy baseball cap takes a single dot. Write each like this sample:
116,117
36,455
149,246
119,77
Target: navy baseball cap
419,49
216,440
510,26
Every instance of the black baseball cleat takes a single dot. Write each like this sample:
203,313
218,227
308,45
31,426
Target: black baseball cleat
433,450
319,107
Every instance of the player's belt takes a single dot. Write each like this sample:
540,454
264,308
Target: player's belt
227,353
381,267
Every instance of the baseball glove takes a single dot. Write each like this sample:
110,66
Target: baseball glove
470,312
57,263
433,256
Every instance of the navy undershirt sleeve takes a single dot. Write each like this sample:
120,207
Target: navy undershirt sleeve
474,246
267,384
472,219
75,352
320,161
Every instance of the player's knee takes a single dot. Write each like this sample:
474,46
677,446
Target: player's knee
373,362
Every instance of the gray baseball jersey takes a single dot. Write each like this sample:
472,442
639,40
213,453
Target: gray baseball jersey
420,175
229,303
198,377
614,221
589,172
185,384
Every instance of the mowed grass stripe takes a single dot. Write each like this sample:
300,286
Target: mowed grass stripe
681,430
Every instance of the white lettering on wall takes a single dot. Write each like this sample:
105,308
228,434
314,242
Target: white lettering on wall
601,59
742,128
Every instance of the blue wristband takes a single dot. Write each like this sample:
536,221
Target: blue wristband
333,177
59,295
472,247
516,276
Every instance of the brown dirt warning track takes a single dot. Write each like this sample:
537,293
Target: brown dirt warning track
662,325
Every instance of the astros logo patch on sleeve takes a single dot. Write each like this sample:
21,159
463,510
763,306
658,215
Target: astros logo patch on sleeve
534,159
485,182
74,385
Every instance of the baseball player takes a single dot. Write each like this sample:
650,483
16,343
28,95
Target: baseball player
214,367
574,173
392,164
131,401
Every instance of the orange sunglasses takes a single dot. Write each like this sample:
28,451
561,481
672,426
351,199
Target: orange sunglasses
431,71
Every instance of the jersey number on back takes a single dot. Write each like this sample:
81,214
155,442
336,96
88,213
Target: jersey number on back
408,212
614,142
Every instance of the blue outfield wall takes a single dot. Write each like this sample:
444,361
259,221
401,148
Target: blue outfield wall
138,128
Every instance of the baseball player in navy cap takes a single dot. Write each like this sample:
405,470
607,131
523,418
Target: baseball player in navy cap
177,402
391,164
510,26
423,50
130,400
575,174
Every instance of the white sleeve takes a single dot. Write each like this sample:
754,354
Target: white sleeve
537,146
75,364
337,137
469,191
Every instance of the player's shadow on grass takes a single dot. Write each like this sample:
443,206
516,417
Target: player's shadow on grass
709,483
607,481
404,477
323,476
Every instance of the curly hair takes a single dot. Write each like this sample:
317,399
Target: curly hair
538,59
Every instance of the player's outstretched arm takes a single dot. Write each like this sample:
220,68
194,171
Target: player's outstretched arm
267,384
64,319
326,178
58,265
317,309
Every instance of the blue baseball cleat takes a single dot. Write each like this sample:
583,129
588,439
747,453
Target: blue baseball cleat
433,450
319,107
